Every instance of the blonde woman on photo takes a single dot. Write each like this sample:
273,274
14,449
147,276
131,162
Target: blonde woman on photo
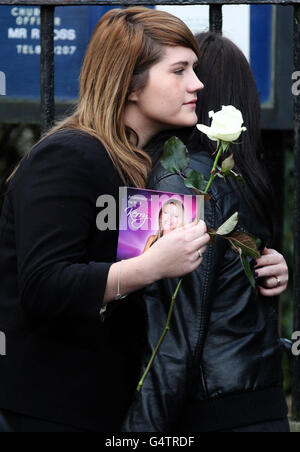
171,217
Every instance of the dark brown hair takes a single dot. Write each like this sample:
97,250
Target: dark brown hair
228,80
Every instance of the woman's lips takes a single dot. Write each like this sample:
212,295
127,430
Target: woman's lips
192,103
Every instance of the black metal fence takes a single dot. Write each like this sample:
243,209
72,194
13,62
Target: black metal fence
216,20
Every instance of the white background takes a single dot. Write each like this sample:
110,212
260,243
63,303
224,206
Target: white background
236,22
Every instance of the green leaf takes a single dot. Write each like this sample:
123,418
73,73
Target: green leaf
246,242
196,181
175,158
243,244
228,164
212,234
248,270
198,192
229,225
237,176
258,243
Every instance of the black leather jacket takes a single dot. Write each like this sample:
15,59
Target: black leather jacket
220,364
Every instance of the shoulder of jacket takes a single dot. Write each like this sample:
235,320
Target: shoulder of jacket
71,150
70,147
73,141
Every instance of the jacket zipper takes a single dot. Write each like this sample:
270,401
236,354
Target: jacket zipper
203,380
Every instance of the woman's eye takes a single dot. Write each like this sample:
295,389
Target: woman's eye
179,72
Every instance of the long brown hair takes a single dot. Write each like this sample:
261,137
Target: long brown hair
122,49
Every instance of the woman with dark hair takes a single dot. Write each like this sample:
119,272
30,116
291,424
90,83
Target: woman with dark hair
219,368
228,81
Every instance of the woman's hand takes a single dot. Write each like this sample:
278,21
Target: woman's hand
179,252
272,267
173,255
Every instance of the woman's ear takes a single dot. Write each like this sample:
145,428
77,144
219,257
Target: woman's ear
133,96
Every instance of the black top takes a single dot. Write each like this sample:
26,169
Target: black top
64,363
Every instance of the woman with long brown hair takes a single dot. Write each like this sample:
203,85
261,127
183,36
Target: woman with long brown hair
69,365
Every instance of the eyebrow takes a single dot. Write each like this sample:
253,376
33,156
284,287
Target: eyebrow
183,63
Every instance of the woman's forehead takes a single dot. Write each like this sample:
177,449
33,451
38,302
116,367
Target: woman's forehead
178,55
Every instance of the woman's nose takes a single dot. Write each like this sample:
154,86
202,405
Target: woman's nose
196,84
201,86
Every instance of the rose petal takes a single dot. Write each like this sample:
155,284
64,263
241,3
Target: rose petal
207,131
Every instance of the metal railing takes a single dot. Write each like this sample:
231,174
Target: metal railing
216,20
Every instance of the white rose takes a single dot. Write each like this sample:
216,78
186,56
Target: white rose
226,125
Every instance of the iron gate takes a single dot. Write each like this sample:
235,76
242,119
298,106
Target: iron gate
216,22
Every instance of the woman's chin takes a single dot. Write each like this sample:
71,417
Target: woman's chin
189,122
186,121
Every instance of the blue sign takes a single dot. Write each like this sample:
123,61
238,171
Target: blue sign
261,58
20,49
